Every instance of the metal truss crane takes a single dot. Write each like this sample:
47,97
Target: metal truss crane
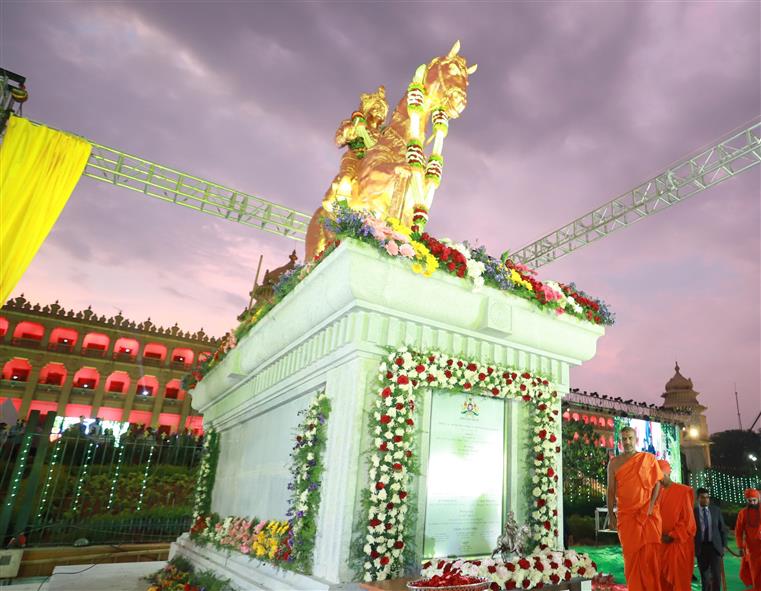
154,180
130,172
736,152
729,156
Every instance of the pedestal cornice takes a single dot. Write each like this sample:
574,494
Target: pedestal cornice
362,301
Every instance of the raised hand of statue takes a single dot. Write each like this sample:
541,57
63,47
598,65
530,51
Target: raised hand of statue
362,129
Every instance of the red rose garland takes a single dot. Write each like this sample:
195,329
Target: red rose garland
393,430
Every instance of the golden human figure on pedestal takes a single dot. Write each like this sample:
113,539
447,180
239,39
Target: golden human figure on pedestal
358,133
378,171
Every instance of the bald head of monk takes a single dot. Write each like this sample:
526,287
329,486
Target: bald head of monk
666,469
629,440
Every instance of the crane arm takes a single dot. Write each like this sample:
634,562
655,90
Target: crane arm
131,172
726,158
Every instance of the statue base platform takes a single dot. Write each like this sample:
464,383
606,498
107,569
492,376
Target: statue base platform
332,332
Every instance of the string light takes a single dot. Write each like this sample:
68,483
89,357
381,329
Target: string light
145,479
115,479
82,475
49,477
725,487
17,473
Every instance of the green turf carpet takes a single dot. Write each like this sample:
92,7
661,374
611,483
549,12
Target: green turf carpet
609,560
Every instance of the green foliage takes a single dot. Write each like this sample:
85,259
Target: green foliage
167,486
147,526
208,581
180,574
182,563
584,464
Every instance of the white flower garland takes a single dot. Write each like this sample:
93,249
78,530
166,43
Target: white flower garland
205,479
545,567
392,428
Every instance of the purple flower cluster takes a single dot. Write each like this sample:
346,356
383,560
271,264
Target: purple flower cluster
495,273
346,221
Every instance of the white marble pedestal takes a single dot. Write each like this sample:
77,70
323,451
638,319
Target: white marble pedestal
332,332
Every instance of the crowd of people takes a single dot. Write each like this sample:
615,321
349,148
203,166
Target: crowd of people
662,531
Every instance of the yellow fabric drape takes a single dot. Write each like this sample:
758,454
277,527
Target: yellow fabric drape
39,168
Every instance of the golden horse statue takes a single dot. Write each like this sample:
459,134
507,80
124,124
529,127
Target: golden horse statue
374,174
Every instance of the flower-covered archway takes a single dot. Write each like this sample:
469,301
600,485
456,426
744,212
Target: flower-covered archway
394,441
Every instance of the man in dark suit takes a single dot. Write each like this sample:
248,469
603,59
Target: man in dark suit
710,541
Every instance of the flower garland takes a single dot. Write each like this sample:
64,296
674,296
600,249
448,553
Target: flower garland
392,428
179,575
542,567
306,473
206,474
390,235
426,255
289,543
459,259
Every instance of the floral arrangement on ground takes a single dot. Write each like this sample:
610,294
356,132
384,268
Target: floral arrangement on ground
179,575
290,543
534,571
383,544
425,255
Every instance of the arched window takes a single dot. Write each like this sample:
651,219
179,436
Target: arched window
53,374
174,390
154,354
28,334
182,357
3,327
118,382
125,349
95,344
17,370
87,377
147,386
63,339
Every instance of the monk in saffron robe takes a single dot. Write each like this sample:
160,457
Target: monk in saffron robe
678,538
633,484
748,534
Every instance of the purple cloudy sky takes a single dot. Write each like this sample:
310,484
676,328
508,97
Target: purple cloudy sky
572,104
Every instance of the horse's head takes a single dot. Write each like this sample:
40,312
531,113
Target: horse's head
446,82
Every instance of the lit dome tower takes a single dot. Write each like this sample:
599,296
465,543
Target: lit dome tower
681,395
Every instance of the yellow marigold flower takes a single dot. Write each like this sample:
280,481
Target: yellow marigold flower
397,226
417,268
